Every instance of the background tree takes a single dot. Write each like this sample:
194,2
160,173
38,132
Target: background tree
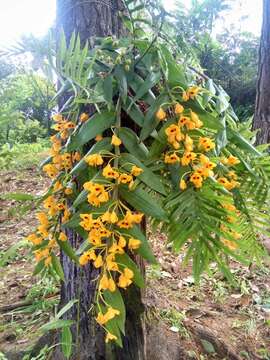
229,57
262,110
26,102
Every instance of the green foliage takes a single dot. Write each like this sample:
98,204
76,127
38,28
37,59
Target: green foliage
21,155
230,57
26,100
145,76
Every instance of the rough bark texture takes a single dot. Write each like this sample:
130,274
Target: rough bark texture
89,18
262,109
92,19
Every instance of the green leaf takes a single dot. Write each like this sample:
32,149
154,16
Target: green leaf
80,198
143,202
148,83
39,267
150,119
90,129
120,75
108,88
116,301
221,138
66,308
134,112
145,249
113,328
57,267
126,261
68,250
56,324
132,143
222,103
241,142
175,72
66,341
18,197
147,176
11,252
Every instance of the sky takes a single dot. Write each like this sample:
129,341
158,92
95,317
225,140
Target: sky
18,17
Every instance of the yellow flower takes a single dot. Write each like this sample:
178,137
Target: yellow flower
111,285
69,125
62,236
125,278
188,143
229,207
104,283
84,117
34,239
68,191
43,218
178,109
182,184
50,170
111,313
134,244
233,160
232,175
100,319
64,134
196,179
110,262
94,160
171,158
230,244
196,120
174,134
87,221
183,120
206,144
97,193
161,114
83,260
136,171
185,96
111,218
190,125
116,141
48,261
116,249
110,337
187,158
193,91
57,117
226,183
109,173
98,262
125,178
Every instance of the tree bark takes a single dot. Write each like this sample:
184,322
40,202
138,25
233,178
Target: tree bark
262,107
89,18
92,19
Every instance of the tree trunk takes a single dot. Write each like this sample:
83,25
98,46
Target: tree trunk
262,108
92,19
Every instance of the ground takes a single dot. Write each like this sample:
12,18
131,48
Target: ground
212,320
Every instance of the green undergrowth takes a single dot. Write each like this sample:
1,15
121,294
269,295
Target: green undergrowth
21,156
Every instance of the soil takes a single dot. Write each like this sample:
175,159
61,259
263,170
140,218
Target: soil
212,320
